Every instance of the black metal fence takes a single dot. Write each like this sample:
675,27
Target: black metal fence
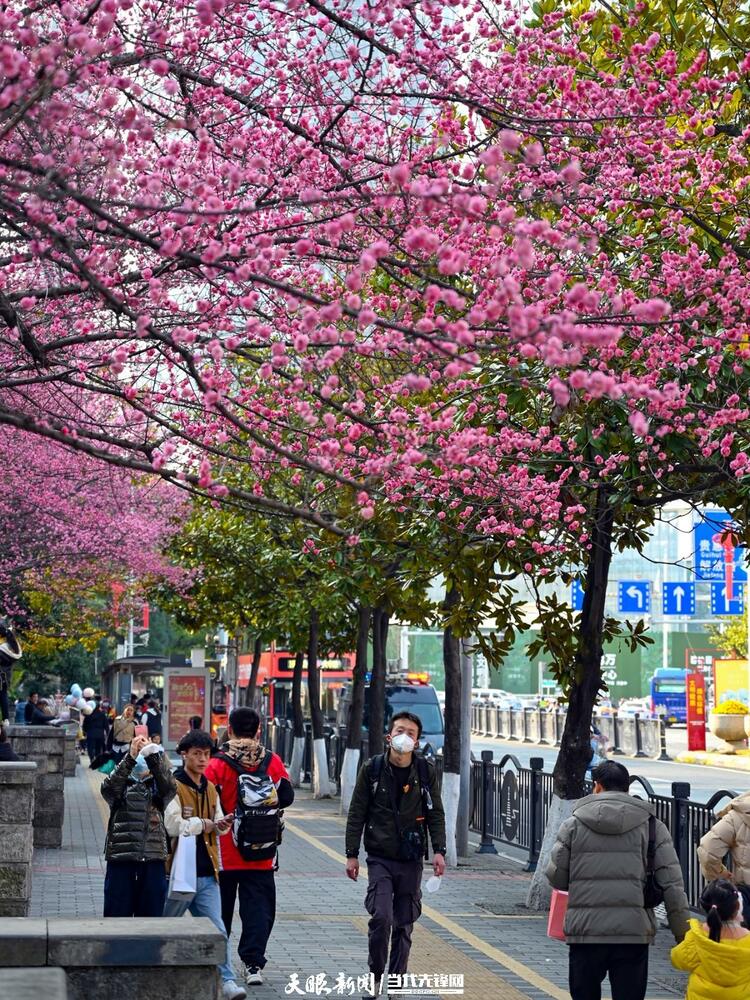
511,804
631,734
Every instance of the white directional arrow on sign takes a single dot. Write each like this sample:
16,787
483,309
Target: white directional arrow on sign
679,593
637,594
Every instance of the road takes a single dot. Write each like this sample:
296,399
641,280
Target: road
704,781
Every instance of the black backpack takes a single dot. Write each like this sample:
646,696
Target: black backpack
374,772
258,824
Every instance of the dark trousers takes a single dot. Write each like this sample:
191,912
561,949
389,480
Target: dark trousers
394,893
135,889
94,746
257,892
625,964
4,710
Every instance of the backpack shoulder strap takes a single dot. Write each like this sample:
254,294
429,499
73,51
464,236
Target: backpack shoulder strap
651,849
234,764
374,771
423,773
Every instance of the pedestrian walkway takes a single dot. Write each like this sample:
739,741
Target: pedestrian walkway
475,926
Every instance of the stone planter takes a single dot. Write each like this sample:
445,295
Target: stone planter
730,729
747,726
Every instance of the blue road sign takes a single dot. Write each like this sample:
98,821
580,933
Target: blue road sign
634,595
710,554
576,595
721,604
678,598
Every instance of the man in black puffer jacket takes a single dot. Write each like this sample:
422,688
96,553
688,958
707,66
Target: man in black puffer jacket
138,791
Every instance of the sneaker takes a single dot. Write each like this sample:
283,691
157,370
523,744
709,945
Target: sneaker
253,976
231,991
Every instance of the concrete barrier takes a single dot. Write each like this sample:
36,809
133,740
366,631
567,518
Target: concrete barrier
17,780
119,958
45,745
30,984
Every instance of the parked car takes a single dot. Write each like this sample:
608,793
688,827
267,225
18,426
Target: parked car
412,693
630,706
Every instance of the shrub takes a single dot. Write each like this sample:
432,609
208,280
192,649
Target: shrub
731,707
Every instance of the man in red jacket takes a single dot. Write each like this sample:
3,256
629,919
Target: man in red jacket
242,754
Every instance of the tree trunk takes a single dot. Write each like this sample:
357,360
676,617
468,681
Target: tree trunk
298,722
252,684
356,709
452,746
575,746
464,799
377,683
320,780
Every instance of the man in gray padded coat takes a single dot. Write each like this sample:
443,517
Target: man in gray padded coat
600,859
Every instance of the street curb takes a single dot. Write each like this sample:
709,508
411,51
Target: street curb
731,762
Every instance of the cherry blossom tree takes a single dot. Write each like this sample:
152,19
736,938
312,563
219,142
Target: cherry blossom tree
71,526
412,257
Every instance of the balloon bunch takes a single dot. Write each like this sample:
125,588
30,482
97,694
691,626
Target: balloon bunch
82,699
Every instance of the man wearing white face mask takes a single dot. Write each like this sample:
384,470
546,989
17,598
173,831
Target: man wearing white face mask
395,802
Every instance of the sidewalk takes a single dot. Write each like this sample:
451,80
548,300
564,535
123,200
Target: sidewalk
475,926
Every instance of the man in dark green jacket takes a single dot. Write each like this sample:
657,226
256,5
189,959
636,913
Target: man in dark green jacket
395,808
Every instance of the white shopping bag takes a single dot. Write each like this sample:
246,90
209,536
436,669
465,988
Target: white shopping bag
183,882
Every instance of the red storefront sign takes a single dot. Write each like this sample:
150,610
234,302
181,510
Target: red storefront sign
696,710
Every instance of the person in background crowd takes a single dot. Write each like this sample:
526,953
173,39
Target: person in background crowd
195,722
95,727
717,953
6,750
196,811
730,835
10,652
137,792
28,708
109,715
43,713
599,859
151,718
123,731
254,880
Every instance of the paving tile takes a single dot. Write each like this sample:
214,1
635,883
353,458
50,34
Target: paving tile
476,925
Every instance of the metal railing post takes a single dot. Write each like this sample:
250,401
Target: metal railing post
616,748
525,713
681,827
638,741
485,845
536,832
663,755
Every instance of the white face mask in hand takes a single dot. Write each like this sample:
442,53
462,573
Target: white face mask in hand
403,743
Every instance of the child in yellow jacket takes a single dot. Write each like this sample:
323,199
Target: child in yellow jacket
717,953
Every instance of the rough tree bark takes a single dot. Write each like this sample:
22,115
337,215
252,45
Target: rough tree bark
252,684
452,746
356,710
377,683
320,780
298,732
575,748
